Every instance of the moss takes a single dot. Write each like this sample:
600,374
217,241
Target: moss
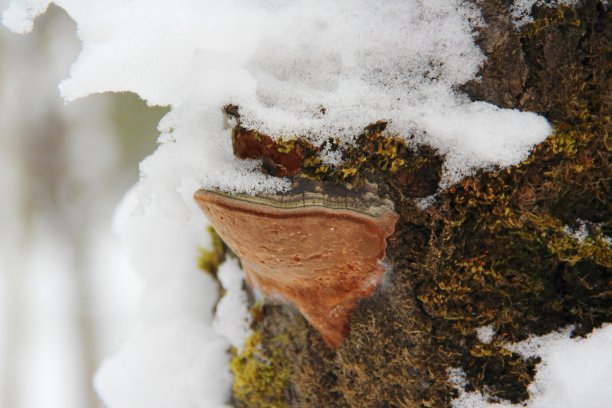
492,250
507,260
563,15
260,373
210,259
417,170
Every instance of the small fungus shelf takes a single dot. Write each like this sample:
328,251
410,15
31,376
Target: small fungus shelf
322,252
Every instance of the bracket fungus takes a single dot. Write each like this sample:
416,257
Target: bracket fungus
320,250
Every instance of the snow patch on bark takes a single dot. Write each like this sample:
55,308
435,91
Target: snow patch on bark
574,372
232,317
521,9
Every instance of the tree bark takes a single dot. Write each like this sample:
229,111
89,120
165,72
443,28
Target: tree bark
491,250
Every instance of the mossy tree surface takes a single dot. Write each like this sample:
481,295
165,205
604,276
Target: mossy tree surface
491,250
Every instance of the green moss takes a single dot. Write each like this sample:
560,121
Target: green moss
260,372
286,145
560,16
508,261
210,259
374,156
492,250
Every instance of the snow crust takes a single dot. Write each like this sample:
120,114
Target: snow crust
573,373
312,68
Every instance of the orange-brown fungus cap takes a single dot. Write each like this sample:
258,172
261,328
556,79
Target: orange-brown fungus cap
320,252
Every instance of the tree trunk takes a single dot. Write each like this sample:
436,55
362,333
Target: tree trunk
492,250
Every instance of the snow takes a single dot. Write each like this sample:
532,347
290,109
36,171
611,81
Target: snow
521,9
198,151
580,234
232,317
20,18
485,334
574,372
174,358
284,63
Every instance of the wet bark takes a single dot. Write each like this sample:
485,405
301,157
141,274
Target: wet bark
493,249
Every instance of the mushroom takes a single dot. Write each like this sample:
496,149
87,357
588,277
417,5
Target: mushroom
320,250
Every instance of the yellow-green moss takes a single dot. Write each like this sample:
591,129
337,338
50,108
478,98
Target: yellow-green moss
285,145
210,259
492,250
562,15
376,154
260,374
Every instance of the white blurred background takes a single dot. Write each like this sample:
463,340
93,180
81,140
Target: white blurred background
67,296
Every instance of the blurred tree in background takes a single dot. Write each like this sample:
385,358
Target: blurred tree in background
66,299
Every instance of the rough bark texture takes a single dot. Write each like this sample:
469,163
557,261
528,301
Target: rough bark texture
490,250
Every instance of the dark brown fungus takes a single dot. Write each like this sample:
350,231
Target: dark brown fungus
320,252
